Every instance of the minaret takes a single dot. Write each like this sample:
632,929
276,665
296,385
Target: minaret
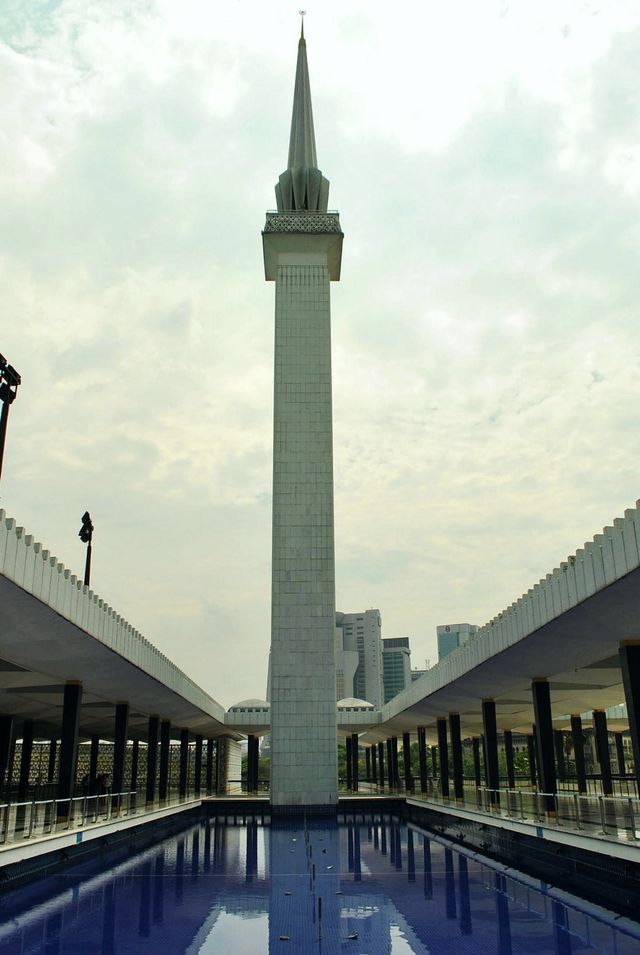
302,245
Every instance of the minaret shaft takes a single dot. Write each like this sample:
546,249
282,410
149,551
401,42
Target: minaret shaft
303,702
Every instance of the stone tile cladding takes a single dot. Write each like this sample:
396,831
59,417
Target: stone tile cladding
303,708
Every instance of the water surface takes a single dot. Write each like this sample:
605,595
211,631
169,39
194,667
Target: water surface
367,888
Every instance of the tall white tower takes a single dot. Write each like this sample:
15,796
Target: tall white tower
302,245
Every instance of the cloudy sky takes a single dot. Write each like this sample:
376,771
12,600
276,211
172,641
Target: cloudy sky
484,157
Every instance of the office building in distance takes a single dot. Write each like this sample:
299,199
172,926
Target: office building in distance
453,635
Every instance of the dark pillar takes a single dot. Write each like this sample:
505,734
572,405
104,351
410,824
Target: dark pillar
69,745
544,741
602,750
578,751
456,755
630,665
475,747
184,762
135,755
443,754
396,770
465,897
6,735
390,774
531,752
197,766
491,749
51,765
25,759
354,757
253,752
406,761
422,756
119,750
381,762
94,751
622,771
349,762
434,761
508,753
367,763
165,741
209,769
152,758
558,740
374,764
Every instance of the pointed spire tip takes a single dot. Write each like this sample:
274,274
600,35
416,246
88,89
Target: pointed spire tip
301,41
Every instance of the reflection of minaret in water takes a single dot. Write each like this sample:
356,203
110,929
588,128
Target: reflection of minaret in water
304,871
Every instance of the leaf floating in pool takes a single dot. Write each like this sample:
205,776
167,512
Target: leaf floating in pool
329,867
284,938
351,937
288,893
339,892
324,850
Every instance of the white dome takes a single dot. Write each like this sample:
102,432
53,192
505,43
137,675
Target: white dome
250,704
350,703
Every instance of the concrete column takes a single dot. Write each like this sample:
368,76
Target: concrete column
152,758
381,762
69,745
558,741
475,748
492,770
508,753
396,770
135,755
456,756
184,762
25,759
601,734
374,764
434,761
422,756
443,754
165,742
197,766
209,767
119,749
531,752
349,762
406,762
630,666
578,751
620,754
367,763
354,757
390,773
253,753
544,741
51,763
6,736
94,751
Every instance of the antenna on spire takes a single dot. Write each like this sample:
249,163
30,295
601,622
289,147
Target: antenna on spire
302,16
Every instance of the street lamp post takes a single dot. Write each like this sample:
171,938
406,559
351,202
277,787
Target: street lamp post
9,382
86,536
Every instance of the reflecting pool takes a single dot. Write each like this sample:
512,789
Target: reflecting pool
375,886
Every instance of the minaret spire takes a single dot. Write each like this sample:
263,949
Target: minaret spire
302,186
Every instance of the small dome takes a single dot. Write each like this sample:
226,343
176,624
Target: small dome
350,703
250,704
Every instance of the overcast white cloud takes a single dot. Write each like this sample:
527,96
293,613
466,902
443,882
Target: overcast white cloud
485,160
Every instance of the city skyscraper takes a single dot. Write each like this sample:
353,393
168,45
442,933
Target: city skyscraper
302,245
362,633
453,635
